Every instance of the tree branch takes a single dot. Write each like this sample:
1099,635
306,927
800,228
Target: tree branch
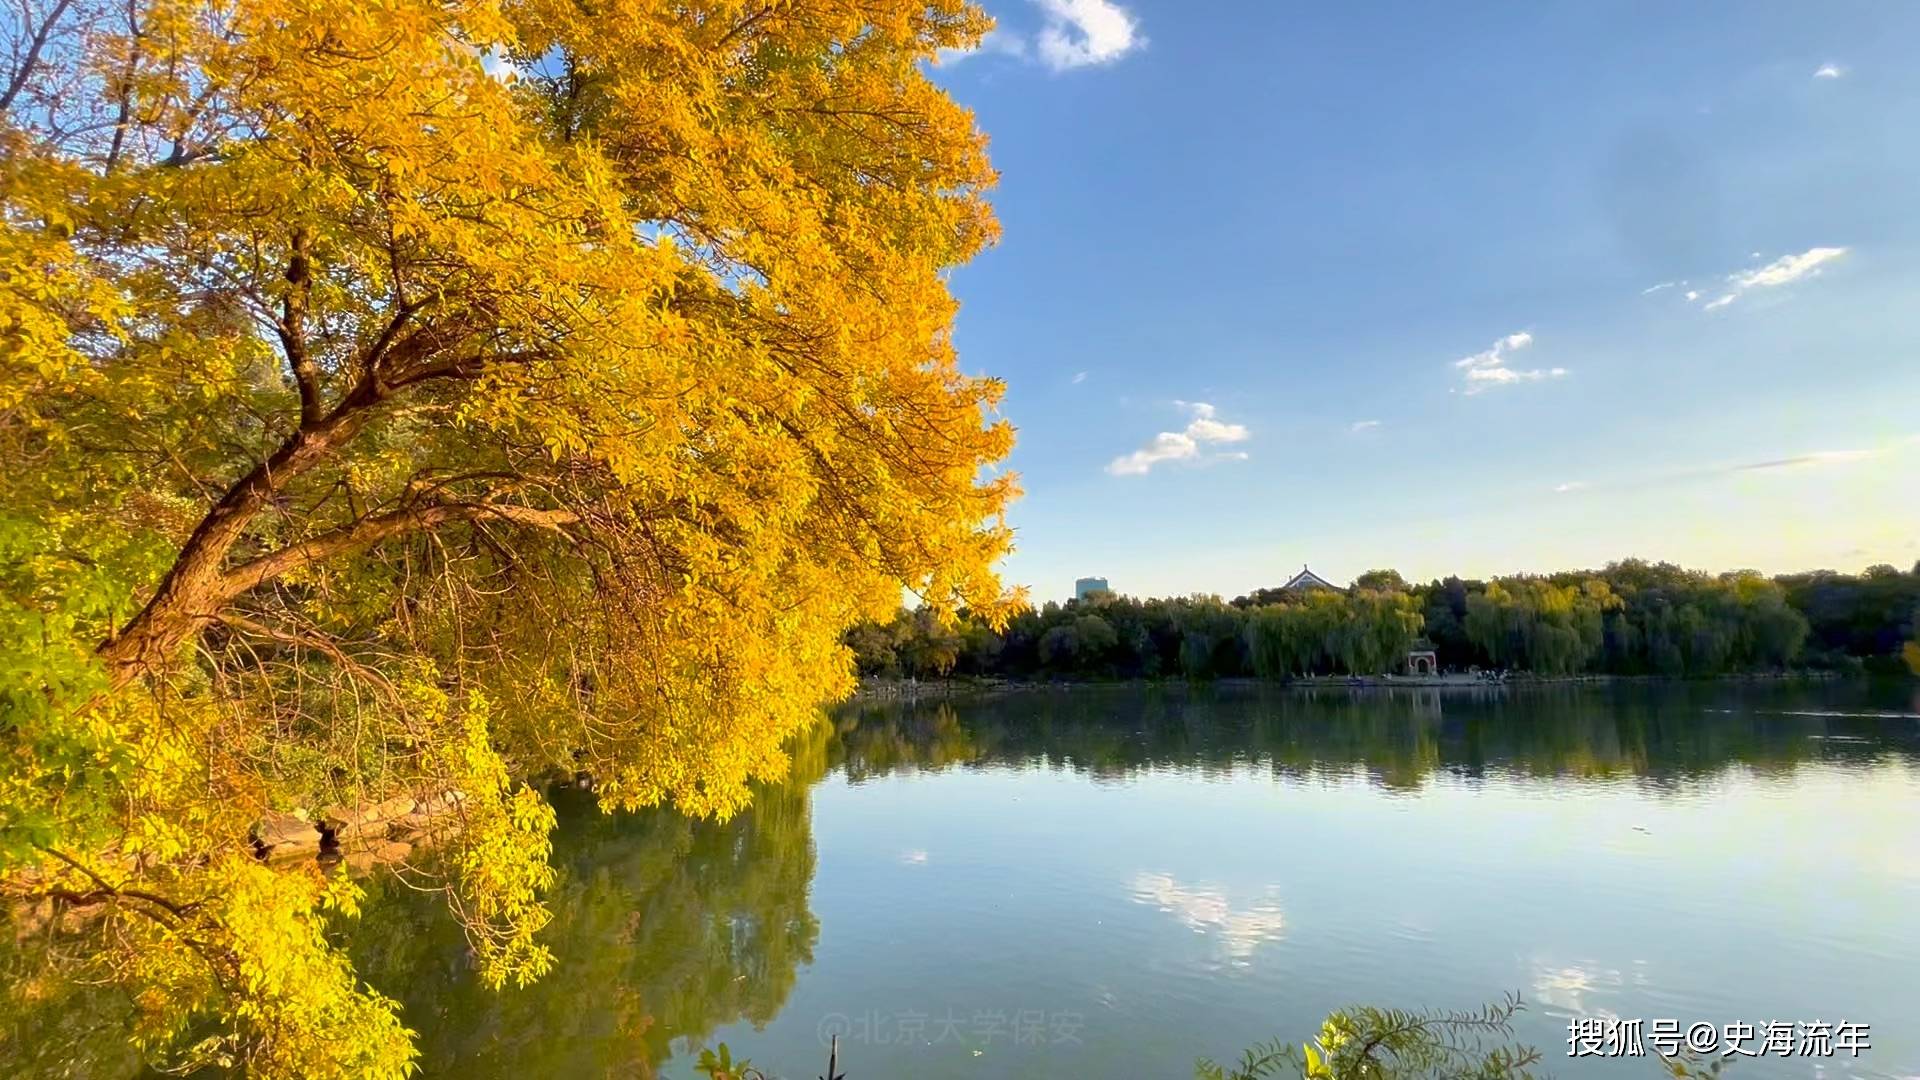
105,889
463,367
40,37
293,330
135,38
199,584
368,531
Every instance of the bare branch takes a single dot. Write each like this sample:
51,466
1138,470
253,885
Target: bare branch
315,642
41,34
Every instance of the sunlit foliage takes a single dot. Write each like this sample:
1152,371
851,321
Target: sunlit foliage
664,929
418,395
1365,1042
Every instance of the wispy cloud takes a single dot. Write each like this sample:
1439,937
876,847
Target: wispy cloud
1818,457
1492,356
1359,426
1078,33
1488,368
1651,289
1812,459
1079,377
1788,268
1784,270
1206,429
1829,71
995,42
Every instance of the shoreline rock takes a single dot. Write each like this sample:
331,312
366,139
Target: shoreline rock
281,835
365,836
348,822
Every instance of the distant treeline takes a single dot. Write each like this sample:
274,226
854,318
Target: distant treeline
1631,618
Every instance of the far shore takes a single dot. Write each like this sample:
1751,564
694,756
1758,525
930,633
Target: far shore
882,688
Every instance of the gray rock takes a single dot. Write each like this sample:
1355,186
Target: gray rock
285,834
368,820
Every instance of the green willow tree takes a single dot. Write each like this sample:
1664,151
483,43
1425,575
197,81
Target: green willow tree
435,395
1627,618
1538,625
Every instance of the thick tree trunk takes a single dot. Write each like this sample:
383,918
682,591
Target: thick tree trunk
192,593
200,584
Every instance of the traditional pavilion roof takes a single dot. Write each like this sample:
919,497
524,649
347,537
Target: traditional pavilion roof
1307,579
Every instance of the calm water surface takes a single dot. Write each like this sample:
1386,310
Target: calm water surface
1111,882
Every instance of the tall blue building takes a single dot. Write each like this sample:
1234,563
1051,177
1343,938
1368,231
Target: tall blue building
1086,585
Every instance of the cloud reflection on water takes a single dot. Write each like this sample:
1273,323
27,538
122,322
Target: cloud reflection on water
1207,910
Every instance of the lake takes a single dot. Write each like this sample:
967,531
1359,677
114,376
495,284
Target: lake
1111,882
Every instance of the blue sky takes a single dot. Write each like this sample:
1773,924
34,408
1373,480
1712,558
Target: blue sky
1369,286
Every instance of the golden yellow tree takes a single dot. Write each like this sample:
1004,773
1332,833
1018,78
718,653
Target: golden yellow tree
440,393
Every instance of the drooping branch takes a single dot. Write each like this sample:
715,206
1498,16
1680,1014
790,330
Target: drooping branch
106,890
369,531
317,642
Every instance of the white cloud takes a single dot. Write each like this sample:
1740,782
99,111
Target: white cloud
493,60
1166,446
1651,289
1078,33
1072,34
1488,368
1784,270
1829,71
1079,377
1496,355
1363,425
1788,268
1692,295
1571,485
1188,445
1485,378
1207,429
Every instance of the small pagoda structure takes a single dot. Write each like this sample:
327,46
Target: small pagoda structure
1307,581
